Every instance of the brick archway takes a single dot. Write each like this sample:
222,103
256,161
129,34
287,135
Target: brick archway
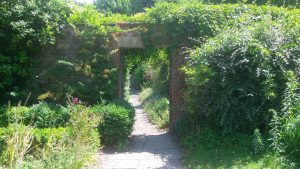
133,39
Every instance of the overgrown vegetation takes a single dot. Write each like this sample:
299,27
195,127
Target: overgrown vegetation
156,106
25,27
151,75
50,131
25,146
239,79
242,80
35,139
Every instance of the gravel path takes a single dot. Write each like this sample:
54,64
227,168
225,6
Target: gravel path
150,148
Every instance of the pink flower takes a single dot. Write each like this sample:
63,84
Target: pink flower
75,100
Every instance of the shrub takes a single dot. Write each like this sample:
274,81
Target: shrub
18,114
285,124
158,111
83,135
26,27
91,71
39,138
138,77
116,123
258,142
42,115
123,6
235,78
3,117
43,136
70,147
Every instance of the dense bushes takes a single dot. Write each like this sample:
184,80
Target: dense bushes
3,117
285,124
32,30
25,27
247,77
176,24
287,3
151,71
41,115
43,136
123,6
238,76
27,146
116,123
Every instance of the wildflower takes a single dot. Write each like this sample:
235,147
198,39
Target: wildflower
75,100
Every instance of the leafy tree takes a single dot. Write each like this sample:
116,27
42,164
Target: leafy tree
25,26
123,6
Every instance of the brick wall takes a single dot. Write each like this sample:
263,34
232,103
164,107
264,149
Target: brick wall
47,76
176,86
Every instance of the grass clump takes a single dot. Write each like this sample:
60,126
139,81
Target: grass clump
26,146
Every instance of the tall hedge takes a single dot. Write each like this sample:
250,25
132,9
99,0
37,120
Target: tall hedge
237,78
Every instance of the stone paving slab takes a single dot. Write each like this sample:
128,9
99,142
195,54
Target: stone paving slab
150,147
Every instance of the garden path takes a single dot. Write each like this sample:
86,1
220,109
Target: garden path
150,148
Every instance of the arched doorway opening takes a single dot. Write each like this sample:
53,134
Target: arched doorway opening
132,39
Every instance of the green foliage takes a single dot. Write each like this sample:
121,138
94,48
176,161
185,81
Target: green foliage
93,71
123,6
152,70
72,147
156,106
146,95
3,117
25,27
237,77
208,149
48,135
138,77
116,123
258,142
158,111
41,115
175,24
17,114
285,124
83,131
286,3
